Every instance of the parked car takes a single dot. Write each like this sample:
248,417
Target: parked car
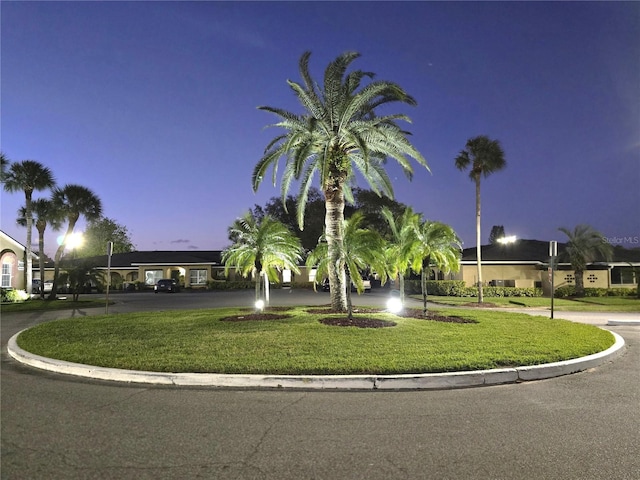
35,285
168,285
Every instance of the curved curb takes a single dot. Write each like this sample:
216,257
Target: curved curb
622,322
424,381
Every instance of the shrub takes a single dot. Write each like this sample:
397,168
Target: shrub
10,295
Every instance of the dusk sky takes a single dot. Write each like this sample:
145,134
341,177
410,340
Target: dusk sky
153,106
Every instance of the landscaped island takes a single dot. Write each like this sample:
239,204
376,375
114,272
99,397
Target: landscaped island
301,340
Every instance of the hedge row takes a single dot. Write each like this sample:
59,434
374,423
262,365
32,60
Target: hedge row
570,291
457,288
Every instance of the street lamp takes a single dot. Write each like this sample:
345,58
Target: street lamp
507,240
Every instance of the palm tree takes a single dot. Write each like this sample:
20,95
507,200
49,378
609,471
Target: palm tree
339,133
400,250
483,156
262,248
80,274
28,176
44,214
585,245
363,250
437,245
4,165
73,202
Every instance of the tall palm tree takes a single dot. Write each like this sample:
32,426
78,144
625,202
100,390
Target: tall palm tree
363,250
400,249
482,156
339,133
437,245
44,214
72,201
28,176
262,248
585,245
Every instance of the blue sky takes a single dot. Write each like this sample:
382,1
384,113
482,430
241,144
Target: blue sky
153,105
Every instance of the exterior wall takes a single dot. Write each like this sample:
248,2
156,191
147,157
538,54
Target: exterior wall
12,260
592,278
525,276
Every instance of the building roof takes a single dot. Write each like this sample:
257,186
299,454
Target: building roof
537,251
156,257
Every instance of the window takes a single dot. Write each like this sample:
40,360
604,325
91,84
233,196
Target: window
198,276
622,276
151,277
6,275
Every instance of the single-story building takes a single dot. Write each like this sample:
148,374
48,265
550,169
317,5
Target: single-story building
521,264
525,263
13,260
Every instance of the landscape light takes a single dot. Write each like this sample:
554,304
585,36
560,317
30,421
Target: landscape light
509,239
260,305
394,305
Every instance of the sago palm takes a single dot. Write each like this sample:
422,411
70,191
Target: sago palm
339,133
73,202
28,176
363,250
585,245
482,156
262,248
437,245
44,214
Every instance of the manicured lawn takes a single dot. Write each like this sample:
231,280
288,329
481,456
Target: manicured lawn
58,304
595,304
198,341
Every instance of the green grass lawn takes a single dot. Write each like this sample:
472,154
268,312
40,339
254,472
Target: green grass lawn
62,303
198,341
594,304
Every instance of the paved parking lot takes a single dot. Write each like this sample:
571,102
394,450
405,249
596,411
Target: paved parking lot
583,426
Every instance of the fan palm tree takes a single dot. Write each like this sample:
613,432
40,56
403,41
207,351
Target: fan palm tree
4,165
339,133
262,248
482,156
363,250
73,202
400,249
44,214
437,245
585,245
28,176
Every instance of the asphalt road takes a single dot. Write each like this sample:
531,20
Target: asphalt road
583,426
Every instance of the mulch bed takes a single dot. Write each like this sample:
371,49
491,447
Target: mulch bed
252,315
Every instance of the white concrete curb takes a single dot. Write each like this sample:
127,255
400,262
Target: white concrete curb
622,322
425,381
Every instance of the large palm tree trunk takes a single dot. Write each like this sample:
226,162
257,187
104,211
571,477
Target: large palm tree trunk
334,228
478,240
29,261
579,274
41,261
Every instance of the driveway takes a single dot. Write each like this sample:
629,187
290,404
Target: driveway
583,426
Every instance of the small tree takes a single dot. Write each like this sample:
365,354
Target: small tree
437,245
401,247
585,245
102,231
81,276
262,248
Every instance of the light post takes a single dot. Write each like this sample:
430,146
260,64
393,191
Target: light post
553,253
109,253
